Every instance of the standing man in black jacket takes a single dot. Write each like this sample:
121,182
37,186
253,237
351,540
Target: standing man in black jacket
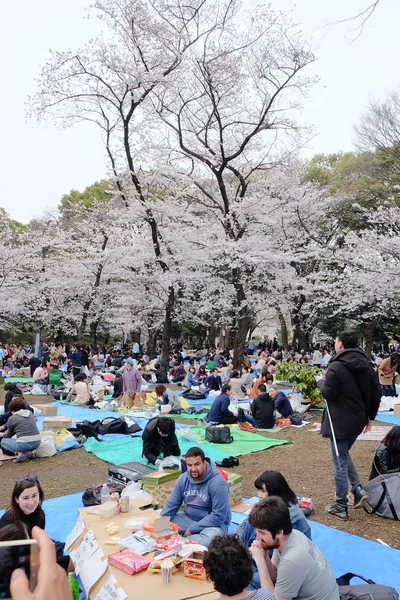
352,393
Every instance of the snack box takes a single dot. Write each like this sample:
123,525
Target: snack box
193,566
129,561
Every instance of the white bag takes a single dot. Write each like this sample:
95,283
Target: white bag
47,448
171,462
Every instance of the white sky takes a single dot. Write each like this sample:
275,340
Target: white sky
38,164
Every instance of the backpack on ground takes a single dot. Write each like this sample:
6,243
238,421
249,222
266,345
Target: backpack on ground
219,435
368,591
92,496
193,394
384,496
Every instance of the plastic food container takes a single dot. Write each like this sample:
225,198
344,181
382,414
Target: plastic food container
108,509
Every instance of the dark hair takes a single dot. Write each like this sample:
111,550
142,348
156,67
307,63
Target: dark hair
225,388
17,403
37,517
269,377
13,531
203,367
228,564
80,377
265,372
271,514
235,374
348,339
392,439
262,388
166,425
394,359
195,451
244,367
276,485
160,389
10,387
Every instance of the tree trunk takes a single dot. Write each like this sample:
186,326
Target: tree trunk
152,343
93,334
369,334
284,330
240,341
167,329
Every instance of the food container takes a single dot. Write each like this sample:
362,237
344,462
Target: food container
108,509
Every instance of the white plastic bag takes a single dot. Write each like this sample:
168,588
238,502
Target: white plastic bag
190,435
37,390
47,448
171,462
134,491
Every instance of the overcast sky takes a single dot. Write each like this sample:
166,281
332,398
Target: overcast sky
38,164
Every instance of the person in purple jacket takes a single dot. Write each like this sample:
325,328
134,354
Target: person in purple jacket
205,494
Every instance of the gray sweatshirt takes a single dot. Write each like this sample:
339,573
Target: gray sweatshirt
22,424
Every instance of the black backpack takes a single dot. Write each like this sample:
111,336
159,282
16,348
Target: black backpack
368,591
219,435
92,496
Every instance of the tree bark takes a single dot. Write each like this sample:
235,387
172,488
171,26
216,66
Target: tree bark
284,330
167,329
369,334
93,334
152,343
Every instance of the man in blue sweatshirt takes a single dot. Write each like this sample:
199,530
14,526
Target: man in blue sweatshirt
205,494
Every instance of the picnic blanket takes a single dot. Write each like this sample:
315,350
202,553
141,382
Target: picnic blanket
388,418
244,442
376,434
18,379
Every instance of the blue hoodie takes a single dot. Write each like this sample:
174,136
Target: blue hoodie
206,501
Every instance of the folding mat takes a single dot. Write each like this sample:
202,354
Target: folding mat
388,418
377,433
244,442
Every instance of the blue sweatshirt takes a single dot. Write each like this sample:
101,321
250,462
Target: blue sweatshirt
206,501
219,409
282,403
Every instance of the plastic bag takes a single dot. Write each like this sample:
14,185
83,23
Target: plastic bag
61,436
37,390
134,491
47,448
190,435
171,462
138,542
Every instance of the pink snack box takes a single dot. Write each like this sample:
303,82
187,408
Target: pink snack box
128,561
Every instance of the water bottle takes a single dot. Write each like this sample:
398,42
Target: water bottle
104,494
74,586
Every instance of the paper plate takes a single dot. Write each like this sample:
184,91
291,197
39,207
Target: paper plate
189,548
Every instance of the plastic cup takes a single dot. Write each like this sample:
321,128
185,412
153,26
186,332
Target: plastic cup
166,570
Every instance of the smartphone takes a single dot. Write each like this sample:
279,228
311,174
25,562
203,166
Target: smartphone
146,506
18,554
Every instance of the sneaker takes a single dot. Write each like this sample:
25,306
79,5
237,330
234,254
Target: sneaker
235,461
337,511
225,463
20,458
360,498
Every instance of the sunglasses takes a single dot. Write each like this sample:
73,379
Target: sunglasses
31,478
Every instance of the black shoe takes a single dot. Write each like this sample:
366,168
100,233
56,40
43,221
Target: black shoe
360,498
225,463
337,511
235,461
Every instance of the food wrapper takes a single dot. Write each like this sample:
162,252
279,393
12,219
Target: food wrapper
169,543
155,565
129,561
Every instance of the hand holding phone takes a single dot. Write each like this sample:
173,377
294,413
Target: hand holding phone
52,579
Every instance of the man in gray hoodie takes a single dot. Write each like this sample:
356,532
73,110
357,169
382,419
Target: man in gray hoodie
22,424
205,494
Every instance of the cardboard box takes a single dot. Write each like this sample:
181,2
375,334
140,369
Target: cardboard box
47,409
26,372
160,493
235,482
160,477
396,410
57,423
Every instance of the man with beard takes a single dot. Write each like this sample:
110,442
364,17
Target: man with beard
297,570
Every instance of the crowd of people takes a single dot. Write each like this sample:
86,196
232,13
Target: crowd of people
272,554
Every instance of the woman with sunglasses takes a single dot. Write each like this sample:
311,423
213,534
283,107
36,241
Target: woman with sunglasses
26,510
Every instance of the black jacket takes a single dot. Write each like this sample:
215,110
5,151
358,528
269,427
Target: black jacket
262,409
155,445
118,385
161,375
353,394
385,461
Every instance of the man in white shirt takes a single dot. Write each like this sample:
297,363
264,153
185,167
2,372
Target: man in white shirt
135,350
298,570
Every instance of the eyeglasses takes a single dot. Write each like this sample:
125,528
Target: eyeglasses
31,478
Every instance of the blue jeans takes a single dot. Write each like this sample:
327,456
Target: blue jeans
12,446
204,537
344,470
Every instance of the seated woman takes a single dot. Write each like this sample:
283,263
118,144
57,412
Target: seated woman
201,374
11,390
26,511
22,425
79,390
387,456
273,483
228,564
166,396
159,440
190,378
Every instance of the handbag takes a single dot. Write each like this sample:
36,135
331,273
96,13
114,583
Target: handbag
219,435
368,591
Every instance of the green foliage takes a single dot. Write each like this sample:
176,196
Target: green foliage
303,379
97,192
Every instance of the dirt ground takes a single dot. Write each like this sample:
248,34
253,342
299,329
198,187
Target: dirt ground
306,464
